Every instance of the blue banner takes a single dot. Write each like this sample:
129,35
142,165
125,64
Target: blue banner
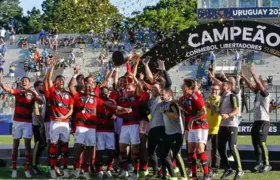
237,13
6,124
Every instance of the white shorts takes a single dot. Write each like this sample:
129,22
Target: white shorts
198,136
130,134
105,140
12,74
85,136
59,131
22,130
12,37
47,130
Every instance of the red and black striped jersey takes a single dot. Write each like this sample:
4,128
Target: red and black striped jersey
192,105
24,106
134,103
60,103
105,122
86,106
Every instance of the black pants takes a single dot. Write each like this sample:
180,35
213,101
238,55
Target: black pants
259,133
229,135
172,143
212,152
40,143
155,138
244,104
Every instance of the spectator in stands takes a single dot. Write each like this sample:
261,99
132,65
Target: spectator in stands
72,57
204,82
44,55
55,32
244,97
3,50
24,42
12,72
1,96
2,61
42,36
212,57
272,106
2,35
278,102
12,35
236,56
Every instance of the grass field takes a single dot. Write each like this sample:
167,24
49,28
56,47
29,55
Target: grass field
242,140
5,174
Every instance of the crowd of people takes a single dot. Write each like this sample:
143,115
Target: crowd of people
135,120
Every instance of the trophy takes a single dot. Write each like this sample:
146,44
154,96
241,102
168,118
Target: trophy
120,57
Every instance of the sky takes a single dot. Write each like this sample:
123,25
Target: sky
125,7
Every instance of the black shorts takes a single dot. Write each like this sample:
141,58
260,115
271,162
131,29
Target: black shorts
260,130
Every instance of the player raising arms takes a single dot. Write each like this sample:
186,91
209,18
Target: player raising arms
61,107
85,121
128,110
105,136
22,122
193,105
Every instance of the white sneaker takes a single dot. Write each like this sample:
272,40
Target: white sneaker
189,172
176,169
27,174
133,176
14,174
66,173
53,174
57,171
86,175
76,173
123,174
231,159
100,175
109,174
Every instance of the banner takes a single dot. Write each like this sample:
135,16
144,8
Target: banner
238,13
6,124
192,42
245,128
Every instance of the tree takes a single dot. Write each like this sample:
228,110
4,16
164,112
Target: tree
74,16
10,10
168,16
33,21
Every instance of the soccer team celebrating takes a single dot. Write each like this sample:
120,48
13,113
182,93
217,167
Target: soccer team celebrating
132,120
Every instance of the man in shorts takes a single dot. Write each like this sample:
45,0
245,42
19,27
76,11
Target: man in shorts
105,136
2,35
193,104
61,106
128,110
22,122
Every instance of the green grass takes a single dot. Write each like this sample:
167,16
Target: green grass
242,140
8,139
5,174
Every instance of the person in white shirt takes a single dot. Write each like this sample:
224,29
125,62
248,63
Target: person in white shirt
2,35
